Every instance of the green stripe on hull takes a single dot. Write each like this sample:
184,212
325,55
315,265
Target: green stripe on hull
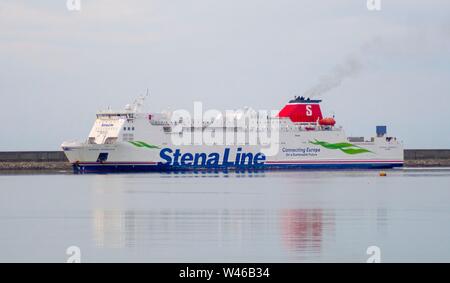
345,147
143,144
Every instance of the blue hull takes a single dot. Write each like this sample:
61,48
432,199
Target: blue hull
120,168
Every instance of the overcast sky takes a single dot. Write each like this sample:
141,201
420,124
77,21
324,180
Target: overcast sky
58,67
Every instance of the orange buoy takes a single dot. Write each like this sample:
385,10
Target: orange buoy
383,174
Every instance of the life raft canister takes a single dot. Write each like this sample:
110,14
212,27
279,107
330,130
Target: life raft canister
327,122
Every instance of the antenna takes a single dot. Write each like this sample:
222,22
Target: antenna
139,102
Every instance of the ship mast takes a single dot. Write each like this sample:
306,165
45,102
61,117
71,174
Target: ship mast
139,102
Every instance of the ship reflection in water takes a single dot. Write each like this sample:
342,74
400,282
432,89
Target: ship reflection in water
214,232
212,223
303,230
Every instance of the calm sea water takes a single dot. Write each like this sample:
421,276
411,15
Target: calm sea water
226,217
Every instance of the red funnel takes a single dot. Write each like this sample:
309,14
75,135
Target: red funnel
302,110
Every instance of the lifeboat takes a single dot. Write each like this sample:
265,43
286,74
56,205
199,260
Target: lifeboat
327,122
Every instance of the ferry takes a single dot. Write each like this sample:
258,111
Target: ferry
131,140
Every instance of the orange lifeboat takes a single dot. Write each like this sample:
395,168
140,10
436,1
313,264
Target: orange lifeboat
327,122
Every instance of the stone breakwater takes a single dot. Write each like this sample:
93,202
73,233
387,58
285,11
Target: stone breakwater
34,160
31,165
56,160
427,157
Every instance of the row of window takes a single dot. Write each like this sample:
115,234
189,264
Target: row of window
128,137
128,128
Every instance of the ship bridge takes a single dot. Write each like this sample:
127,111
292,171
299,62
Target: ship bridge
107,127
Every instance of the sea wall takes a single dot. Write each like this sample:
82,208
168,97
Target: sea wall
427,157
34,160
56,160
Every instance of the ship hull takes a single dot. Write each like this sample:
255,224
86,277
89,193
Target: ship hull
112,167
327,150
